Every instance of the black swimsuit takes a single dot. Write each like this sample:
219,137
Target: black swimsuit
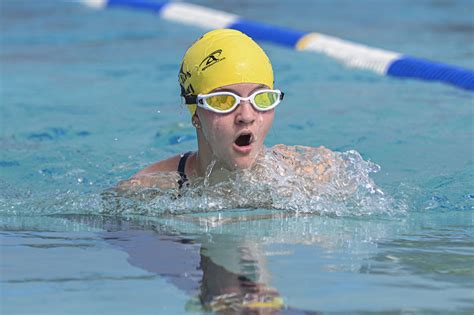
181,166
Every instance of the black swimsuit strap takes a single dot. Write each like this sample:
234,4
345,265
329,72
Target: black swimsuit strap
181,167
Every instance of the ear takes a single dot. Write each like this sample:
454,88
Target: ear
196,121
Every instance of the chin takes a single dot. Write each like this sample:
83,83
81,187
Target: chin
243,163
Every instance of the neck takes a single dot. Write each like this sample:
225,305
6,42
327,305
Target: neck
205,159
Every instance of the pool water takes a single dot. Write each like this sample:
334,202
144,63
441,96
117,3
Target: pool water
90,97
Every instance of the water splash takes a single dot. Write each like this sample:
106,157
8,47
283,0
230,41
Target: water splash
31,202
290,178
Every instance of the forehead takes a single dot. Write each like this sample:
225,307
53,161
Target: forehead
240,88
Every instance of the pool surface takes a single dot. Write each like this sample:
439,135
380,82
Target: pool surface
89,97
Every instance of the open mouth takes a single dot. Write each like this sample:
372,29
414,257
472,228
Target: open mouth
243,140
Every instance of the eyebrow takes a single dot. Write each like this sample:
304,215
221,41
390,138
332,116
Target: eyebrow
233,91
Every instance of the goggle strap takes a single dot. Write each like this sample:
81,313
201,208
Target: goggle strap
190,99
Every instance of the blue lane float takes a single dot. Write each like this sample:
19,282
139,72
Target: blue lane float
138,4
382,62
260,31
409,67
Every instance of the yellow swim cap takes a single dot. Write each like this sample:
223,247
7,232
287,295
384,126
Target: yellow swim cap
223,57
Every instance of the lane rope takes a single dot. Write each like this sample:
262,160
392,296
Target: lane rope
382,62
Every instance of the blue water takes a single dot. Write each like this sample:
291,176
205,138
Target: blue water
89,97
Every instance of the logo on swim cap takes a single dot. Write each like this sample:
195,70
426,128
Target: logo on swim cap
183,77
212,59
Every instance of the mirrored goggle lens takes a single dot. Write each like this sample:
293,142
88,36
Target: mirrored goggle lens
221,102
266,99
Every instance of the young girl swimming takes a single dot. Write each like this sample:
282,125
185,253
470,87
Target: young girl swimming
227,83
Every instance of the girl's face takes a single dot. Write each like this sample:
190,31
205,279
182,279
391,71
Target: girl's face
236,138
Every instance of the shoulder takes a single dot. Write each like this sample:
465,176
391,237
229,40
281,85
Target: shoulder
168,165
162,175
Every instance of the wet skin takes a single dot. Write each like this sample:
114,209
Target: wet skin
218,132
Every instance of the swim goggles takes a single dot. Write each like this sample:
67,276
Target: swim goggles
225,102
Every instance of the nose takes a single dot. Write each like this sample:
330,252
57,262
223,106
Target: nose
245,114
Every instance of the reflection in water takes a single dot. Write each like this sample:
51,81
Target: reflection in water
225,281
221,265
226,274
228,292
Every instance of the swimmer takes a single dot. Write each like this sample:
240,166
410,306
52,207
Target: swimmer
227,84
